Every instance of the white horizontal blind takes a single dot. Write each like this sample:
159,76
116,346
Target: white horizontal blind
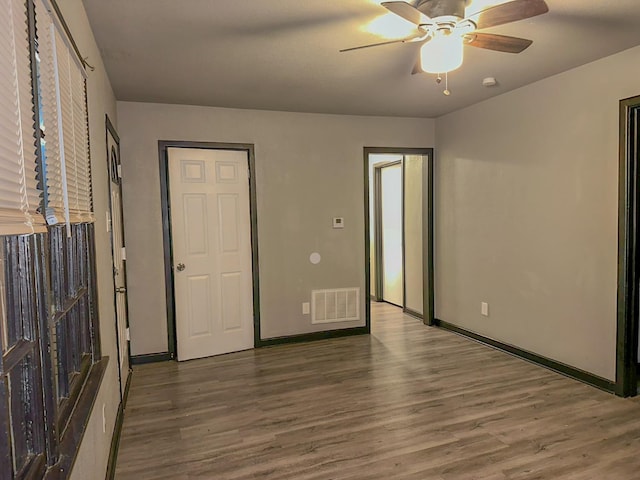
83,204
19,194
63,93
55,200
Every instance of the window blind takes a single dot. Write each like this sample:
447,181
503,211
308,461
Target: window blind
64,106
55,200
20,197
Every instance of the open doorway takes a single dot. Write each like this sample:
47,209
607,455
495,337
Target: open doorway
388,234
399,226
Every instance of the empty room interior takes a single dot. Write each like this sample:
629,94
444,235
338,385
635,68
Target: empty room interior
320,239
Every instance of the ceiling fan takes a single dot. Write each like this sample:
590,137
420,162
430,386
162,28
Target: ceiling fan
443,30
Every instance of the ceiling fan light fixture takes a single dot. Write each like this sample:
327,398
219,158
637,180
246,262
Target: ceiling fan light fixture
443,53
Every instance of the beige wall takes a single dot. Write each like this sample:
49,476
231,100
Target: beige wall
526,214
309,168
92,458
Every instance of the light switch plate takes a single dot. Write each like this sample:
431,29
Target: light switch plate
484,309
306,308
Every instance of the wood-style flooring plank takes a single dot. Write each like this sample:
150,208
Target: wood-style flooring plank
408,403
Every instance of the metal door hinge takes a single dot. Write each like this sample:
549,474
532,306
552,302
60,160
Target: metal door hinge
128,335
124,253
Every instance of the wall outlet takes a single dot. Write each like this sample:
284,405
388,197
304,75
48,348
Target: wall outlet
306,308
484,309
104,418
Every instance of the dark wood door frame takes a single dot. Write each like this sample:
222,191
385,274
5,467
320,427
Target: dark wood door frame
163,146
628,249
110,130
427,227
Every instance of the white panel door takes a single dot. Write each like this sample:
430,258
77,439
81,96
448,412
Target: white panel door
391,193
119,258
211,240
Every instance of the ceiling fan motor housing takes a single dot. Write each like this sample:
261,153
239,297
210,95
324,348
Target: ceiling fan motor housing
442,8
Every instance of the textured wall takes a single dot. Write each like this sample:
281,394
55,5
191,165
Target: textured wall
309,168
526,214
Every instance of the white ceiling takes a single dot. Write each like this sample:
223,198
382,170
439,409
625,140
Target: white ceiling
283,54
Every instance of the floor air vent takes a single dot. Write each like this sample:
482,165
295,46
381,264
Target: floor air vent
335,305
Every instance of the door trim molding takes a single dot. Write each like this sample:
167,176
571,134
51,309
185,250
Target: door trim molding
427,229
628,253
249,148
111,130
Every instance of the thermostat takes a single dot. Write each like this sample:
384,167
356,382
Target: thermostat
338,222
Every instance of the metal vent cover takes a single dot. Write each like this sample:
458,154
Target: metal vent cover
335,305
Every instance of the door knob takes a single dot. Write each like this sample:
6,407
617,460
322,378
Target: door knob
121,290
180,267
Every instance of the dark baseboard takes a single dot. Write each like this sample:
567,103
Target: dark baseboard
117,430
150,358
310,337
413,313
569,371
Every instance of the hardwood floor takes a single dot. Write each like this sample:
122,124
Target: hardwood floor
407,402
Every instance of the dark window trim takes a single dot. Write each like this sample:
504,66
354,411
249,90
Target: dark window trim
21,276
69,444
59,429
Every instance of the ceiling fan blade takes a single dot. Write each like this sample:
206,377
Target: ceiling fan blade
499,43
407,11
508,12
412,38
